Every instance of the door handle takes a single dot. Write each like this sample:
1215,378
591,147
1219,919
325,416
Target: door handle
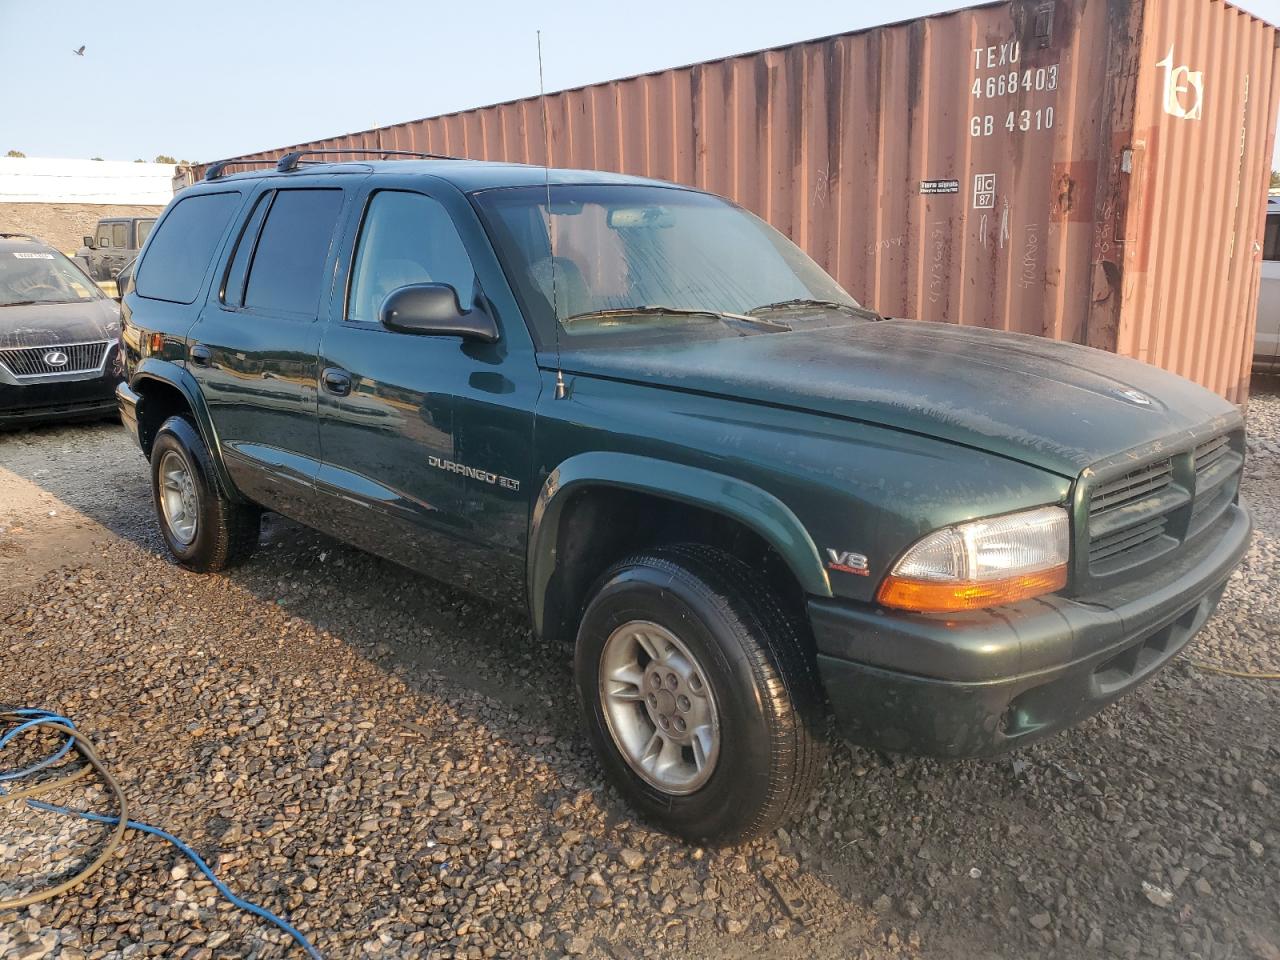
335,381
201,355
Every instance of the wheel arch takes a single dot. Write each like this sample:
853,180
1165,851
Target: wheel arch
624,477
166,389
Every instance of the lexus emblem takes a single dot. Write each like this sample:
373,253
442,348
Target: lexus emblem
55,358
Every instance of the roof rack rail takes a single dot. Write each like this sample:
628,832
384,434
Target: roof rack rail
21,236
214,170
291,160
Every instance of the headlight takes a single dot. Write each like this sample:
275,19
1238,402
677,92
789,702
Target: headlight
983,563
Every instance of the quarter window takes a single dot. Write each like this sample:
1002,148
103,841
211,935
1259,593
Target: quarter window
233,288
178,258
287,269
406,238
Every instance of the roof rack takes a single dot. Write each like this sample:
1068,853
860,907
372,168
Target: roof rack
214,170
291,160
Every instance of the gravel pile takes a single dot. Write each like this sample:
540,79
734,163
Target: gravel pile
396,768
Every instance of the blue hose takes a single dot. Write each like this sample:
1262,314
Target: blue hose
31,718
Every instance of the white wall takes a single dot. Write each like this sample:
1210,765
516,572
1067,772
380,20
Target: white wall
38,180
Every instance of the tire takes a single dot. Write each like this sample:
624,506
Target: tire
760,681
224,532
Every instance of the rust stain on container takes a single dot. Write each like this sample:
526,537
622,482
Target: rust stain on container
1088,170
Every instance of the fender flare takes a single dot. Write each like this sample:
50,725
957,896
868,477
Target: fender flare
736,499
169,373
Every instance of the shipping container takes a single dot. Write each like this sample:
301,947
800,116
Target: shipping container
1089,170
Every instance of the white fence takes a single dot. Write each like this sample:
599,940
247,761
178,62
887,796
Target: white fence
37,180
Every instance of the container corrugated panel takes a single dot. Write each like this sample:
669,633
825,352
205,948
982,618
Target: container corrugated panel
1203,135
1087,171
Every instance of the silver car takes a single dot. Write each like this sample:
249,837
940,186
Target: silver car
1266,344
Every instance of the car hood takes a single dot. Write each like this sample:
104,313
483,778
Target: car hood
1058,406
56,324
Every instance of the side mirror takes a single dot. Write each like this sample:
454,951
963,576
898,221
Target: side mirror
432,309
88,242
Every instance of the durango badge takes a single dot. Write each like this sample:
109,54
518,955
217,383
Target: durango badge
846,561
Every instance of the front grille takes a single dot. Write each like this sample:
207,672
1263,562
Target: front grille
1142,514
1210,452
1130,488
34,361
1124,540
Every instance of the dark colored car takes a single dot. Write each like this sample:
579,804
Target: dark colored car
646,416
115,242
58,332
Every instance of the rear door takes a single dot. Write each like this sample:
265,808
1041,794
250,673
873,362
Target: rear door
254,349
1266,349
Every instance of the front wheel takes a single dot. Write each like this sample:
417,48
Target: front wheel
700,694
203,528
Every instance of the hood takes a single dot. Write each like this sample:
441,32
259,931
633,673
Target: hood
1058,406
55,324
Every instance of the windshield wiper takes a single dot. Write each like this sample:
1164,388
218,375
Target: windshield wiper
649,311
808,302
31,303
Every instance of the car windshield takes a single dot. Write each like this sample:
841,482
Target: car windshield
611,264
42,276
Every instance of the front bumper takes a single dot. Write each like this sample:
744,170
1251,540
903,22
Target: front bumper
981,683
50,400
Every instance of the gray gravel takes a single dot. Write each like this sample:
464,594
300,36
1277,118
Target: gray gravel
396,767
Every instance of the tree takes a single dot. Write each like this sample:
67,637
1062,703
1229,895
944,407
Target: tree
139,160
95,158
20,154
1275,178
165,158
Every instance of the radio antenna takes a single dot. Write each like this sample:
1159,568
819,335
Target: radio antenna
551,234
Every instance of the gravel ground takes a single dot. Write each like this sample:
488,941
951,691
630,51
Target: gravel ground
396,767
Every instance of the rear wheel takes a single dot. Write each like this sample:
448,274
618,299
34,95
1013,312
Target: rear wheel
700,694
203,529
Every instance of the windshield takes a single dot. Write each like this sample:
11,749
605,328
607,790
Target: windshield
645,264
42,276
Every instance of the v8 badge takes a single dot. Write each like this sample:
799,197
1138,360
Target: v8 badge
846,561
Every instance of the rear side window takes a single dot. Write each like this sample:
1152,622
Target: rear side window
144,228
119,234
287,269
179,256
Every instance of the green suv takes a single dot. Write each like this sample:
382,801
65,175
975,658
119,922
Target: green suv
647,417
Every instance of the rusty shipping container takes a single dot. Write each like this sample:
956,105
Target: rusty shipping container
1089,170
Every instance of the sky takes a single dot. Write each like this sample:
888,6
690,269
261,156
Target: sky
199,81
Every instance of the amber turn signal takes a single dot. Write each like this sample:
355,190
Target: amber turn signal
924,596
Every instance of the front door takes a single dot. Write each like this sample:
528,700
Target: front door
254,348
410,459
111,249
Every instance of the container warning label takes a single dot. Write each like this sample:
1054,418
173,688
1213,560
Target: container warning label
984,191
939,186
